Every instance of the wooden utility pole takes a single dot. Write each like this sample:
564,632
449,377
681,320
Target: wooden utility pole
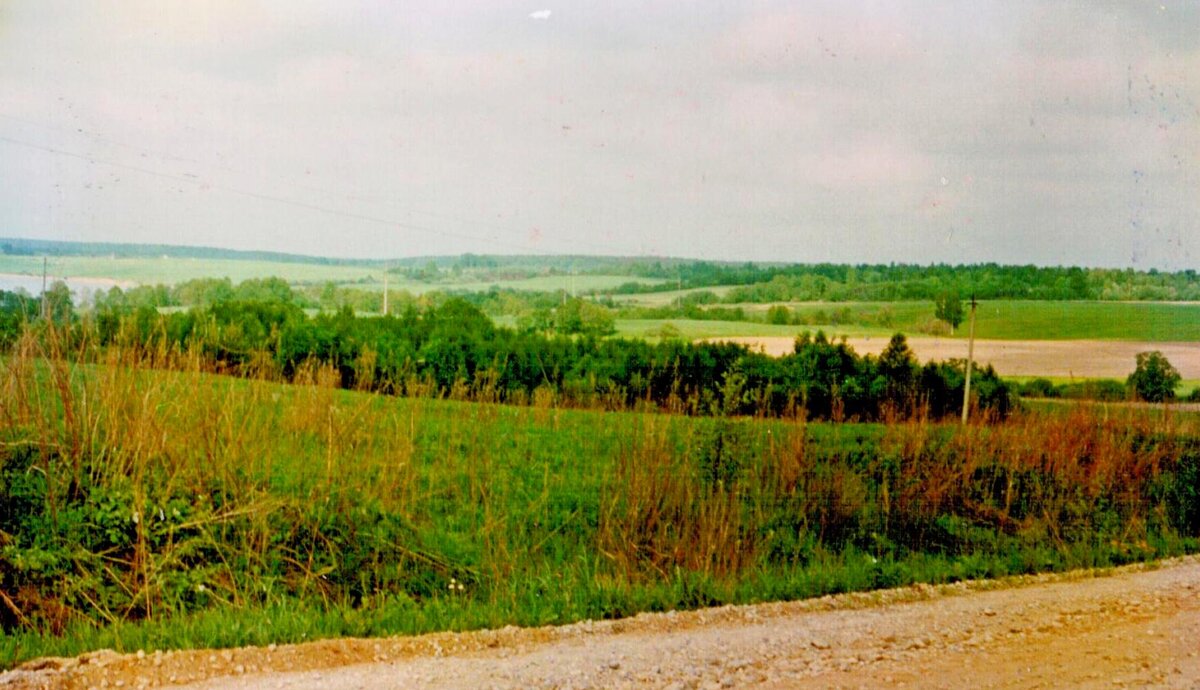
970,363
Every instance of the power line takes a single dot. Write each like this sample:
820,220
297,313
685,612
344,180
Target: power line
188,179
195,180
79,131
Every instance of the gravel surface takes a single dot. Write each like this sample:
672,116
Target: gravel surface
1133,627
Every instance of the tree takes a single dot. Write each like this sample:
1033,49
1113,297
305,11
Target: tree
16,310
578,316
896,375
59,307
1154,379
948,307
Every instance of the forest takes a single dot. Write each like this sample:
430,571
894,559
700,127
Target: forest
455,350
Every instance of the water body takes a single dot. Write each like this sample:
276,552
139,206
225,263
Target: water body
81,289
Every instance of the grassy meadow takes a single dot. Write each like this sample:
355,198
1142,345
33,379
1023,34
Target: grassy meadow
173,270
999,320
1185,387
1003,320
1146,321
146,503
581,284
1022,319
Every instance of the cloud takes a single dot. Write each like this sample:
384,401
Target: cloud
813,132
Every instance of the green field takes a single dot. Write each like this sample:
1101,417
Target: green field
665,298
1009,320
1185,387
169,271
1147,321
187,510
1006,320
1040,320
581,284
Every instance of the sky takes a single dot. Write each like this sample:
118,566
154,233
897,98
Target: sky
1052,133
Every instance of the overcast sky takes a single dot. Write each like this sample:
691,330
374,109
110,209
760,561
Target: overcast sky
1042,132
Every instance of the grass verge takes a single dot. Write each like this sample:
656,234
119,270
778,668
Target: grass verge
148,509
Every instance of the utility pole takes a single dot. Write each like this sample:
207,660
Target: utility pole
970,363
385,295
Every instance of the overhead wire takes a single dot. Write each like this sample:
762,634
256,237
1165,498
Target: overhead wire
197,180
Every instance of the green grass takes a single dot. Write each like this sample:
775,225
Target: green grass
170,271
1001,320
582,284
1040,320
1143,321
1185,386
665,298
277,513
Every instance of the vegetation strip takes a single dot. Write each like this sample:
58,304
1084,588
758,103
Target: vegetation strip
143,508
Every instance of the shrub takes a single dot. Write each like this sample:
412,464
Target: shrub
1154,379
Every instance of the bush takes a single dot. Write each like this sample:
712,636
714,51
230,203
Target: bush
1039,388
779,315
1103,390
1154,379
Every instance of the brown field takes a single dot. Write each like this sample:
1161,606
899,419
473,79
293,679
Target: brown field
1053,358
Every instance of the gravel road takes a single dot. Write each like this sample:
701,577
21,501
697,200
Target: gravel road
1133,627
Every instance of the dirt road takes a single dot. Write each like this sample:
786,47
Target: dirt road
1057,358
1134,628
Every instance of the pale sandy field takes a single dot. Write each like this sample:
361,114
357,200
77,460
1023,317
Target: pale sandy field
1053,358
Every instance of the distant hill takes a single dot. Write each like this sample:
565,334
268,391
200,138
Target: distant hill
18,246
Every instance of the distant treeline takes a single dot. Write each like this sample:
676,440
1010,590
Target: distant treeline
455,350
841,282
753,282
17,246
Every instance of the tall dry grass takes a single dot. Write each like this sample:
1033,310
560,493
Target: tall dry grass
138,486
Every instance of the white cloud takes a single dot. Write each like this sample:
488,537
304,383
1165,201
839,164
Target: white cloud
819,133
